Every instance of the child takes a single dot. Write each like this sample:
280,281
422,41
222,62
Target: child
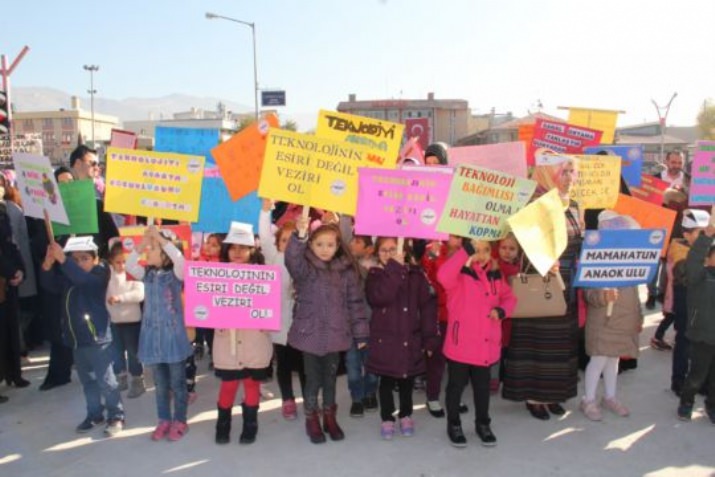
210,252
478,298
700,268
253,349
85,323
509,260
123,299
329,314
163,341
288,359
402,328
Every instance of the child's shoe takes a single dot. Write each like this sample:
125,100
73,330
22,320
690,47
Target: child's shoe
177,430
685,412
136,387
114,427
407,426
485,434
289,410
456,434
357,409
387,430
161,430
615,406
591,410
88,424
435,409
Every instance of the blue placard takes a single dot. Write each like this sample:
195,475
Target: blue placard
218,210
273,98
631,160
619,258
198,142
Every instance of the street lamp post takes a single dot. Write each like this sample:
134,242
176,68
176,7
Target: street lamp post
92,91
252,25
661,120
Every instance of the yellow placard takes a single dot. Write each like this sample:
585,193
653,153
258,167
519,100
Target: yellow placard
598,181
153,184
600,119
308,170
540,228
382,137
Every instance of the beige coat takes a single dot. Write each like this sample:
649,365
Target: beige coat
130,293
254,349
617,335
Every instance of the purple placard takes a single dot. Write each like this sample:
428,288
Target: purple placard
401,203
702,185
232,296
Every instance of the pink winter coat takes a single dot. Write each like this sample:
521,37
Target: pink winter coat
472,337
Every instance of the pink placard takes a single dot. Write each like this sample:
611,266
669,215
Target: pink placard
123,139
231,296
702,185
401,203
509,157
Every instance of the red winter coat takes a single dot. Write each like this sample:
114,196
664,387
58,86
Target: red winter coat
431,263
472,337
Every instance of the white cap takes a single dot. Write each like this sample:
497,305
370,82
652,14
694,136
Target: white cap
81,244
695,219
241,234
610,220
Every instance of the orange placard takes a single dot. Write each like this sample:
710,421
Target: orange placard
240,159
648,215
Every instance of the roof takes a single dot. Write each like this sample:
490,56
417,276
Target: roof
667,139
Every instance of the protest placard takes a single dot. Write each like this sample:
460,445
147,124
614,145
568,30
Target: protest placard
603,120
80,203
631,160
38,188
123,139
232,296
133,235
509,157
619,258
217,209
562,138
651,189
648,215
383,138
190,141
481,200
598,181
702,185
401,203
153,184
540,228
309,170
240,159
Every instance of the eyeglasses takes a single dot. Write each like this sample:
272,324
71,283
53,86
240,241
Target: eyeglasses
93,163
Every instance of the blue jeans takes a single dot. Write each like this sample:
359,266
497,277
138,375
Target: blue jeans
94,369
360,382
125,338
170,377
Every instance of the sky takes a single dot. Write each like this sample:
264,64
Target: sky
503,54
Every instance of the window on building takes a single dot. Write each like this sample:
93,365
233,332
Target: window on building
67,123
47,123
28,126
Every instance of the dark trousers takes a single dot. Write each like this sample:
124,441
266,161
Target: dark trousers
205,335
702,370
435,367
125,339
387,400
680,348
288,359
10,337
663,326
59,370
320,373
458,375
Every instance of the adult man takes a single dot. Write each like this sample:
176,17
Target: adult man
673,173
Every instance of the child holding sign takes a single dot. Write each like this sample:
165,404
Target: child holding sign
329,313
163,342
240,355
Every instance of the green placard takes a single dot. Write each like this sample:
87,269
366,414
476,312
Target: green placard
81,206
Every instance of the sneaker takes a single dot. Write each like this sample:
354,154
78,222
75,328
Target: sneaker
435,409
370,403
407,426
161,430
615,406
177,430
591,410
685,412
484,431
289,410
114,427
660,345
456,435
387,430
88,424
357,409
650,302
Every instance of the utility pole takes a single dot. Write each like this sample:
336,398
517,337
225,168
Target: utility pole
6,71
92,91
661,120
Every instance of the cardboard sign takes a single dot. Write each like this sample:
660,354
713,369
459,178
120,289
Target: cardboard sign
652,189
598,119
383,138
702,185
309,170
191,141
481,200
133,235
648,215
562,138
540,229
240,159
231,296
123,139
81,206
153,184
401,203
38,188
218,209
509,157
619,258
598,181
631,160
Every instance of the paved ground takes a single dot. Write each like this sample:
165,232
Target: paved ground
37,437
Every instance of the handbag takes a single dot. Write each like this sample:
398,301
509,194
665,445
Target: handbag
537,296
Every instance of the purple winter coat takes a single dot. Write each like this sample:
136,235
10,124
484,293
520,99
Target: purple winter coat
329,304
404,320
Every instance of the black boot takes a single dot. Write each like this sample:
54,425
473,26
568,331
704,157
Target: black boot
250,424
223,426
485,433
456,435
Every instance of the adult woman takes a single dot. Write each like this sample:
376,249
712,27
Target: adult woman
541,364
